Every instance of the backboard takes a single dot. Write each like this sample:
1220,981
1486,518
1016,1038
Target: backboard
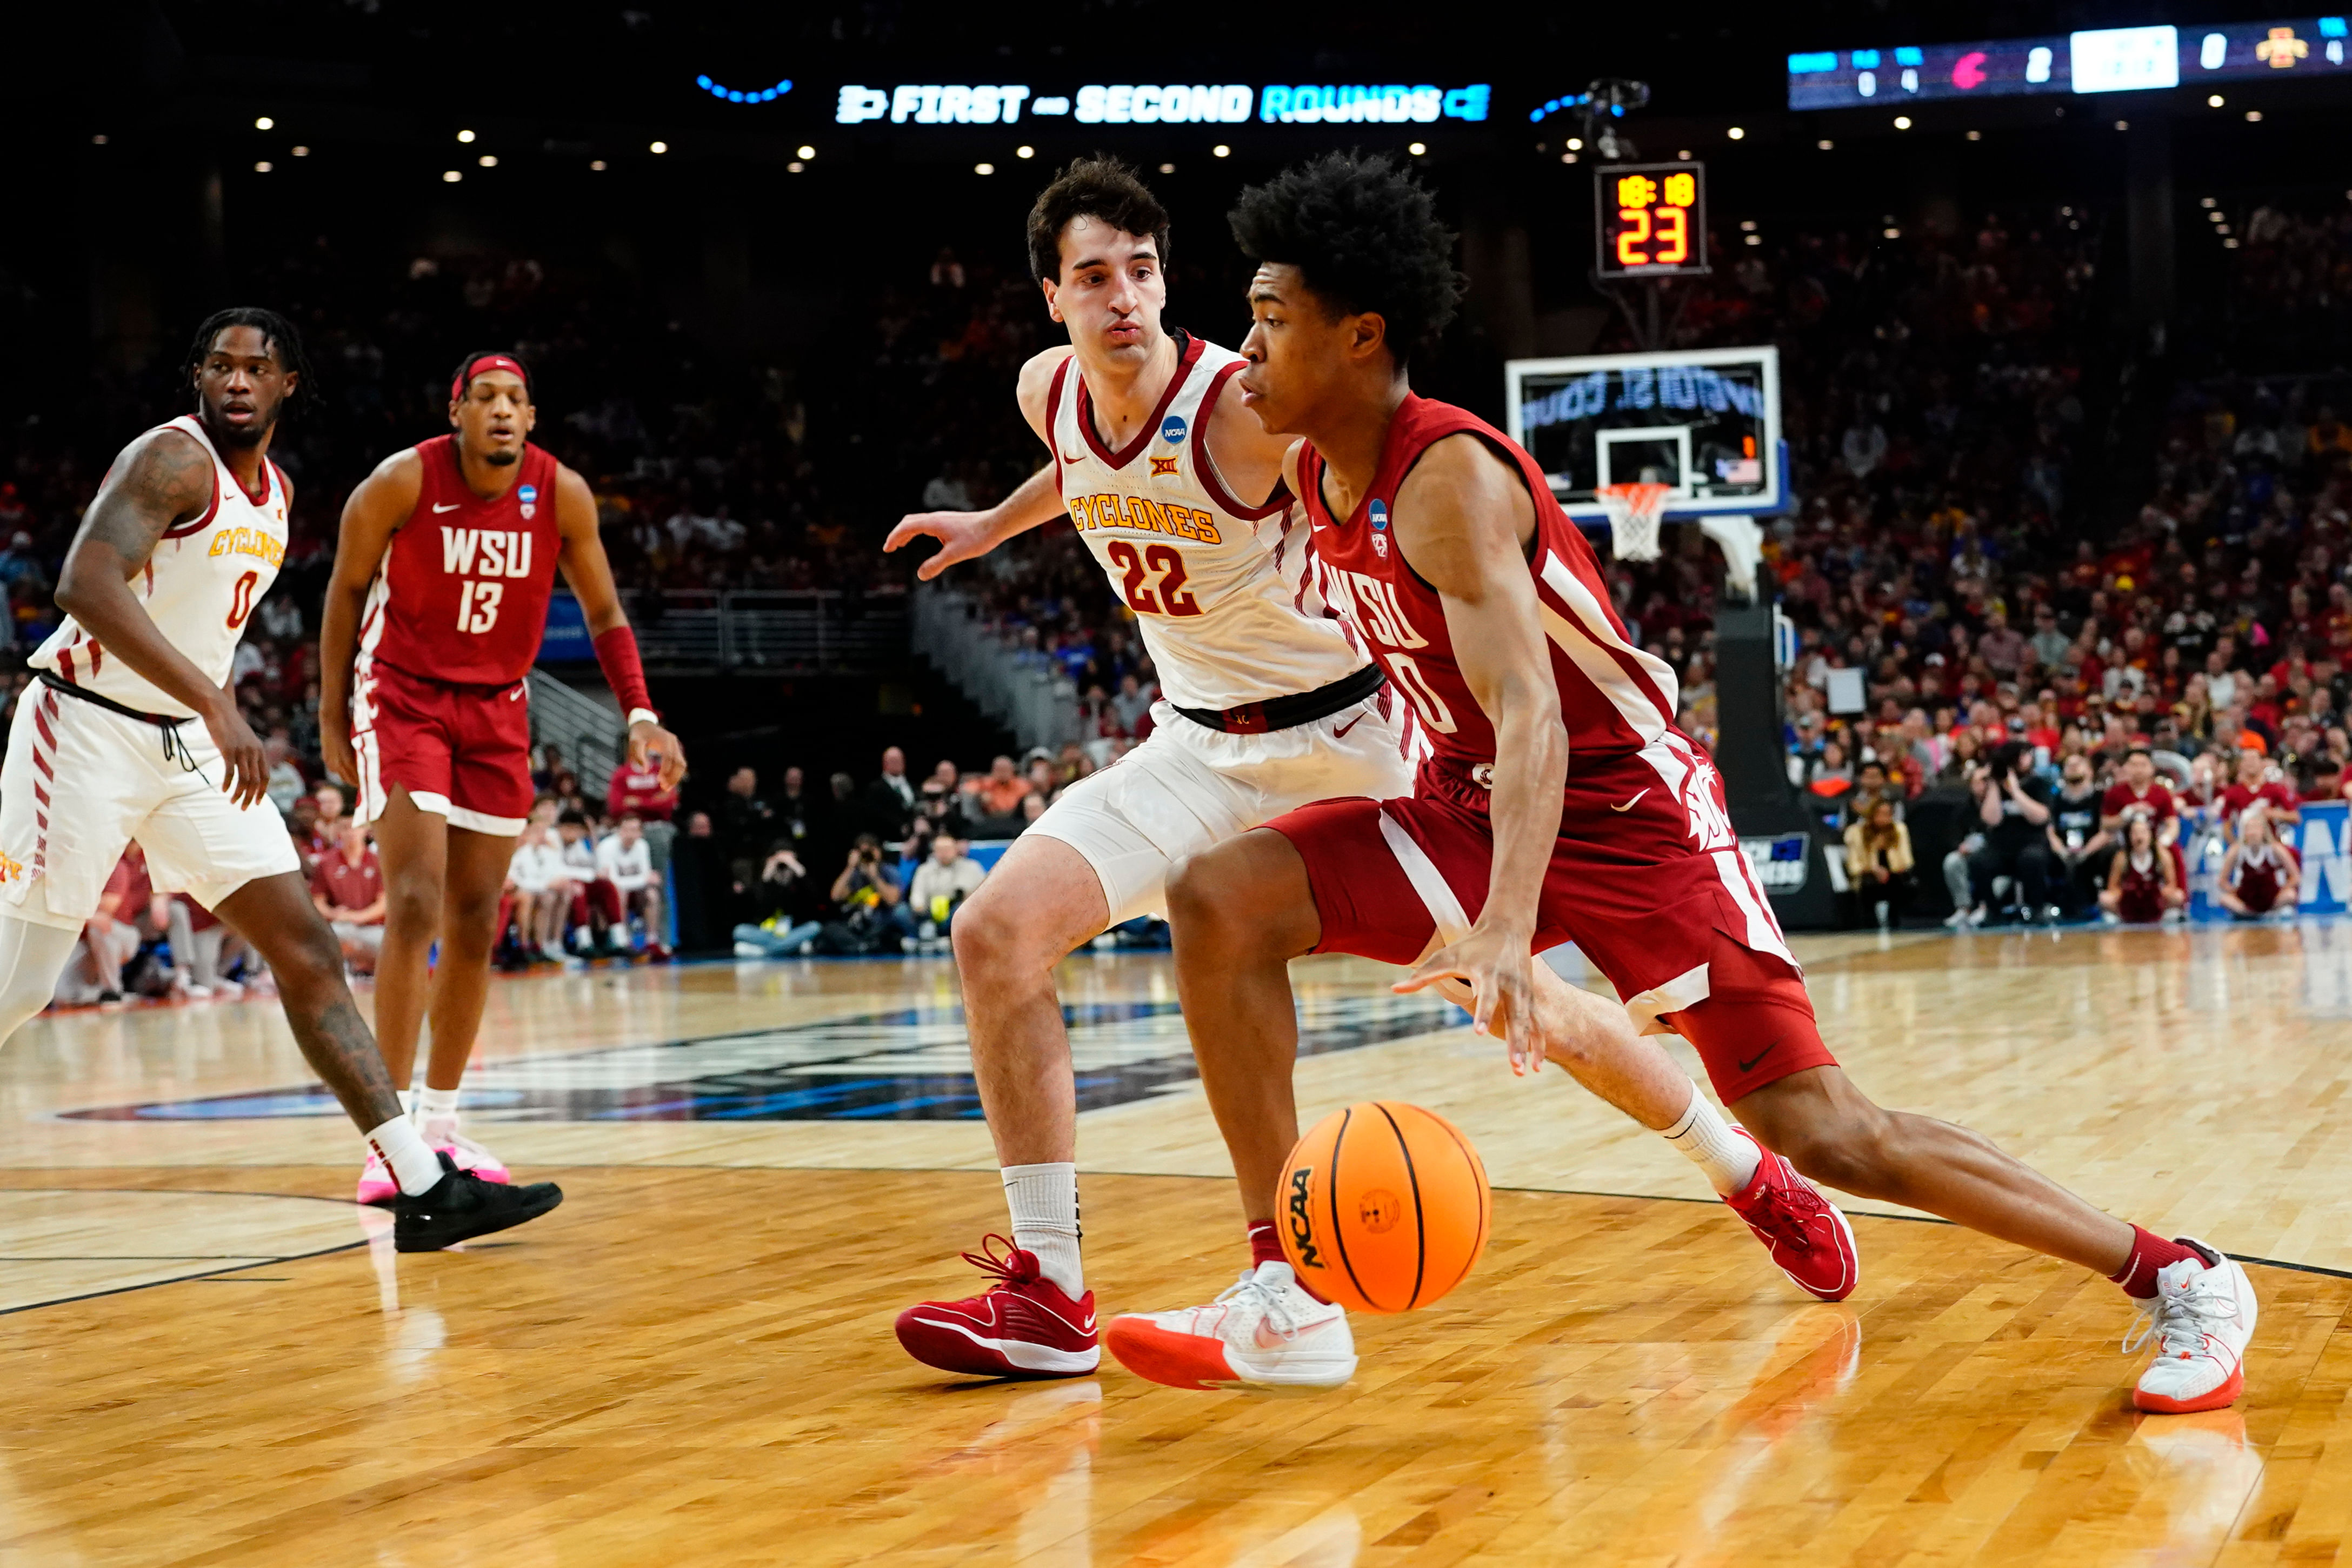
1706,421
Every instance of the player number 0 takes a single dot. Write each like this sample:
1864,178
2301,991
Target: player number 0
240,602
1417,691
477,605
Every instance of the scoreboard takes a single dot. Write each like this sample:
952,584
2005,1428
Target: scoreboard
1650,220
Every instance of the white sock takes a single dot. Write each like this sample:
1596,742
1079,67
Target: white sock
1707,1141
1044,1203
437,1112
400,1145
408,1102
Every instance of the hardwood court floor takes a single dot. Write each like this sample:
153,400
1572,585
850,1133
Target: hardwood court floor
690,1363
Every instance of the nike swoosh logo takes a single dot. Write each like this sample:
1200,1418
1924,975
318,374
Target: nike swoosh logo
1631,804
1069,459
1749,1065
1344,729
450,507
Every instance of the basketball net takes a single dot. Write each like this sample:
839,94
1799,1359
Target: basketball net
1634,509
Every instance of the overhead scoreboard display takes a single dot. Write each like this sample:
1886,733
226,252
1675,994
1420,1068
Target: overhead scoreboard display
1649,220
2101,59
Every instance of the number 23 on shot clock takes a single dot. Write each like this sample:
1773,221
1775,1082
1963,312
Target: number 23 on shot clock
1650,219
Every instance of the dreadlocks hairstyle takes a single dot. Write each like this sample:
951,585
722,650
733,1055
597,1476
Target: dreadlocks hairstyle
278,335
1102,188
1364,235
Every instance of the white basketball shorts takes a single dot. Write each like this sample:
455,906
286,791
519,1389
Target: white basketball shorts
80,782
1187,788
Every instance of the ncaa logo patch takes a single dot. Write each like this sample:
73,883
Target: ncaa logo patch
1379,509
1171,429
529,495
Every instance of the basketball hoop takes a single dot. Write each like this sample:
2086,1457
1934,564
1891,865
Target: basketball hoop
1634,509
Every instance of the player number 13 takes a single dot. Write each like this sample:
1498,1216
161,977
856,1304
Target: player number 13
477,605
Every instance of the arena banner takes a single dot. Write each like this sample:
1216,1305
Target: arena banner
2322,841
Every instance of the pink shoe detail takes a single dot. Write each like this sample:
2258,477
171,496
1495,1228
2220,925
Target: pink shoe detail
377,1189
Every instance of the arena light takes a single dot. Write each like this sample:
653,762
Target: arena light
742,94
596,165
2215,100
1025,152
2254,116
465,136
1576,144
301,152
1976,136
658,147
1737,133
487,160
1902,123
262,167
98,140
1418,149
265,123
983,168
1168,168
450,176
805,154
1825,144
1747,226
2123,125
1222,151
794,167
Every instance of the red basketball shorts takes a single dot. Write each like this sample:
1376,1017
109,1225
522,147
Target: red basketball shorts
461,752
1646,878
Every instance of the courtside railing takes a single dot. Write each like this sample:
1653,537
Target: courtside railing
775,631
1020,689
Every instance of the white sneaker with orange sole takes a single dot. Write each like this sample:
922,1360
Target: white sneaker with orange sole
1264,1333
2201,1317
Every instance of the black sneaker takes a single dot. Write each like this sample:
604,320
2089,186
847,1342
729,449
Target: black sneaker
461,1205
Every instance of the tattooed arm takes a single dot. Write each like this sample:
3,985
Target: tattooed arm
163,477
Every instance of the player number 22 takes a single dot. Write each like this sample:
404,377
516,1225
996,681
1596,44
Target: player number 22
1166,594
477,605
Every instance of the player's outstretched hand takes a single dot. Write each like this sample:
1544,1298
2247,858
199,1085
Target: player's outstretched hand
651,741
1493,968
961,536
245,768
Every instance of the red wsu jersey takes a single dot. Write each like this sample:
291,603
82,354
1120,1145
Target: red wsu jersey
462,593
1613,697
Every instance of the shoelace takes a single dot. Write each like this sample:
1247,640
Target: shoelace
2179,1322
1016,1269
459,1141
1271,1307
1784,1214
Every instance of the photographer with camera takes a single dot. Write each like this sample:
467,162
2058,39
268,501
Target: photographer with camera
874,918
2013,812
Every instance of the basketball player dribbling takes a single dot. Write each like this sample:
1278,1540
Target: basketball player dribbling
1269,702
133,733
448,557
1558,800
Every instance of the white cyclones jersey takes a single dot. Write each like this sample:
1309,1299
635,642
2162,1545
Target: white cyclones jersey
199,588
1219,587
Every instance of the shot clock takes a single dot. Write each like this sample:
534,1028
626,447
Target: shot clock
1650,220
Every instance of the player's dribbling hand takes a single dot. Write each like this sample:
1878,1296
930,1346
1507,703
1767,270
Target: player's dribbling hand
245,767
1489,972
651,741
961,536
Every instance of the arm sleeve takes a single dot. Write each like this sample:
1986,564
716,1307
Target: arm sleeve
616,655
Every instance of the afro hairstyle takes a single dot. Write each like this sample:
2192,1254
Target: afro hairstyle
1102,188
1365,237
278,335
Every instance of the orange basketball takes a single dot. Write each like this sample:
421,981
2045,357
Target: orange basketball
1384,1208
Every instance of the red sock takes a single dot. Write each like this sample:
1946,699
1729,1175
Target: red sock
1265,1246
2149,1253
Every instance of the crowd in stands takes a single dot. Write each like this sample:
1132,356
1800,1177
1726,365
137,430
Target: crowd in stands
1961,571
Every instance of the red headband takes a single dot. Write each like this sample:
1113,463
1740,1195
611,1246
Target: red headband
487,362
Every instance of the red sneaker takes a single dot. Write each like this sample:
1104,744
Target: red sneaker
1806,1235
1022,1326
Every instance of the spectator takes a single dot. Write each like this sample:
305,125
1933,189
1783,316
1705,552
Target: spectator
541,895
2000,646
2257,784
890,799
2015,812
2047,644
2143,885
2139,792
2079,846
1132,706
625,867
1001,791
583,915
638,789
286,785
348,889
941,884
112,937
202,950
746,824
1878,864
2260,875
327,826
